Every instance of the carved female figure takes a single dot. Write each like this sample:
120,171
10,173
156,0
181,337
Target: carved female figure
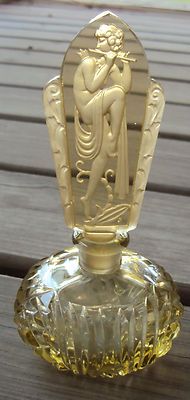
101,106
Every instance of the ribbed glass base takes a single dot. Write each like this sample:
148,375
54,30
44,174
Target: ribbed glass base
98,325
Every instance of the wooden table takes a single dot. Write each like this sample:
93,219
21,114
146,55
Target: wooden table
33,39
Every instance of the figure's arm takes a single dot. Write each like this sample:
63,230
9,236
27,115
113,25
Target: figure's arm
124,78
94,79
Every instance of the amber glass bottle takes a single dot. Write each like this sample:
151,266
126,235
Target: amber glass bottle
98,308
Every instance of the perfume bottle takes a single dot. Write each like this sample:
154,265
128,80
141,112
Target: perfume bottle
98,308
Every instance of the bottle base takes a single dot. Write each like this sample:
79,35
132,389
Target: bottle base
98,325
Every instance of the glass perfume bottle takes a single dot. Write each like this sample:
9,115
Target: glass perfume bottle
98,308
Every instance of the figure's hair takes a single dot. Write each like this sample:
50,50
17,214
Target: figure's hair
113,35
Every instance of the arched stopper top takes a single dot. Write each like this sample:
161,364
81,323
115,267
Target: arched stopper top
105,126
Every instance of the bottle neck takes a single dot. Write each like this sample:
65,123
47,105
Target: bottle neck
100,253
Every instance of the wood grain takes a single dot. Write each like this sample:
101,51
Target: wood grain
24,375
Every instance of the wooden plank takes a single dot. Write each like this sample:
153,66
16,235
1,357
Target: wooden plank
137,18
26,76
24,375
160,19
23,104
176,58
49,59
33,44
18,33
58,36
37,77
54,46
59,11
71,26
31,146
166,46
170,72
33,60
33,223
31,151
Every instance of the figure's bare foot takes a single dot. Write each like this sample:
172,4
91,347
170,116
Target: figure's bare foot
86,204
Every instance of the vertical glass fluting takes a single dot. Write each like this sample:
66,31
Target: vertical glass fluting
99,325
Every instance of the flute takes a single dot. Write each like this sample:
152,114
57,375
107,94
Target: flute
122,57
